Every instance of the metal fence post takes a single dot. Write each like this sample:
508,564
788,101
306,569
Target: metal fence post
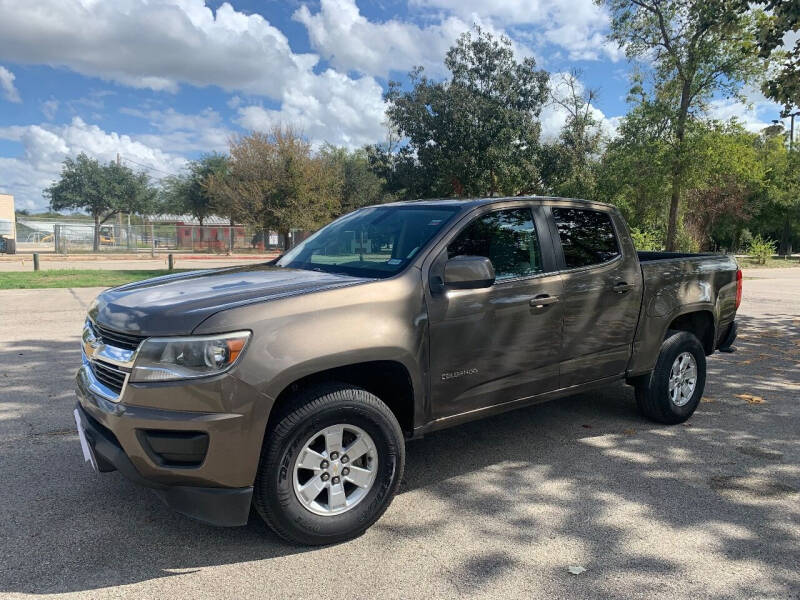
171,261
35,261
152,240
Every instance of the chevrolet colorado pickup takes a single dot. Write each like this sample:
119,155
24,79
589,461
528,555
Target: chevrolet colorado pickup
292,386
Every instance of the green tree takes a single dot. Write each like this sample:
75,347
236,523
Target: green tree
724,183
190,193
696,49
277,183
103,191
778,215
568,166
478,132
397,166
361,186
634,172
781,17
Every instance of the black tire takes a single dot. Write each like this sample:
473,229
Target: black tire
652,392
306,414
11,246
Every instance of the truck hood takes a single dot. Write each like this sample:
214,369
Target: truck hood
177,304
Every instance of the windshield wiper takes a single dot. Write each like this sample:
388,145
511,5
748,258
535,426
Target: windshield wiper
331,271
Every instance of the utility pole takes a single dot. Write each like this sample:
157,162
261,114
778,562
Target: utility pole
118,159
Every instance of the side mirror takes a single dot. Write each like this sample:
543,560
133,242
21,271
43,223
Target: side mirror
468,273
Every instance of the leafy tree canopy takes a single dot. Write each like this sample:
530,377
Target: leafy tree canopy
277,182
361,186
189,193
783,82
694,49
103,191
478,132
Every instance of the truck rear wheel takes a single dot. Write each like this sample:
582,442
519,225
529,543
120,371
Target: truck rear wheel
330,465
672,391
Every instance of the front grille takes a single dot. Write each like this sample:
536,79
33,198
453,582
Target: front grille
126,341
109,375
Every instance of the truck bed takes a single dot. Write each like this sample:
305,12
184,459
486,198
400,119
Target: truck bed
673,281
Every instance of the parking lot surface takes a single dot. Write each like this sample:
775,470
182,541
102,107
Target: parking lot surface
497,508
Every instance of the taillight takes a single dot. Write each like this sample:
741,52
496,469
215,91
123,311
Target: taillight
738,287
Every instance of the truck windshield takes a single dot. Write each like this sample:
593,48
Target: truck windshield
378,241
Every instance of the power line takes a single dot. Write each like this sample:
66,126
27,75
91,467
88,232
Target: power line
126,159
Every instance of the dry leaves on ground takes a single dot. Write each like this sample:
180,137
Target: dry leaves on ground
751,399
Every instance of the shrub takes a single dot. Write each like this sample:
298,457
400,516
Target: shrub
761,249
646,240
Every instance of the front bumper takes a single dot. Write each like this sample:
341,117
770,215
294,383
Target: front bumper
217,489
216,506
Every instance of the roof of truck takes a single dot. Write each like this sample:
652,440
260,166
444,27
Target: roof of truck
470,202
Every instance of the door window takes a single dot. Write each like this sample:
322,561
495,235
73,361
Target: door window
507,238
587,236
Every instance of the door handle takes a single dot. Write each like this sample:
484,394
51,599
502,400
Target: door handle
622,287
543,300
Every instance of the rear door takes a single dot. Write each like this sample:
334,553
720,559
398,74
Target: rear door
499,344
602,291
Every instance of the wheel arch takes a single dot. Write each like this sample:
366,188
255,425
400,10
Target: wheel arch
389,380
700,322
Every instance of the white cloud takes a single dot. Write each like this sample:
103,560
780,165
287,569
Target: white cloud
160,44
155,44
10,92
577,26
50,108
755,114
330,108
181,132
46,146
350,41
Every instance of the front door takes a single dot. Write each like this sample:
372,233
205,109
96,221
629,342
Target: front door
499,344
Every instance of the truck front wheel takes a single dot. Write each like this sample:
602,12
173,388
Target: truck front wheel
672,391
330,465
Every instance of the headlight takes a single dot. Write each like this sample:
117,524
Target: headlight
170,358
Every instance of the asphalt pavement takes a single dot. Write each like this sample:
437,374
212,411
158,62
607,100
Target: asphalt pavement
499,508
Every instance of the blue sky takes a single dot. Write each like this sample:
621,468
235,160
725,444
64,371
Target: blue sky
162,81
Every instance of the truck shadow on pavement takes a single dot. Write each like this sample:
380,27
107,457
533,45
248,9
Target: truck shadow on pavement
633,498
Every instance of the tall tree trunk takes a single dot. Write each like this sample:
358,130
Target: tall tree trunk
678,168
96,244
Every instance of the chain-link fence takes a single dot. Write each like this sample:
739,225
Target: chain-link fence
72,237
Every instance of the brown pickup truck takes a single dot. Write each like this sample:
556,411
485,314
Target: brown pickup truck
292,386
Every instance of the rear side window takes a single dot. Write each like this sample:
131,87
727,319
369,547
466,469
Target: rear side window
587,236
507,238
